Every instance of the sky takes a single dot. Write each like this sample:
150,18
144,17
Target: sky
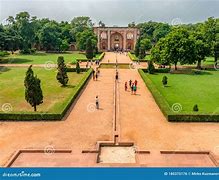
114,12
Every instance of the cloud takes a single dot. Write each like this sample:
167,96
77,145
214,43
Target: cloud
114,12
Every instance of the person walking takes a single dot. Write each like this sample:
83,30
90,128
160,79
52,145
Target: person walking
97,102
117,75
136,82
132,88
126,86
96,76
130,83
93,75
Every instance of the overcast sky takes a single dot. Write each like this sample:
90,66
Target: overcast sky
114,12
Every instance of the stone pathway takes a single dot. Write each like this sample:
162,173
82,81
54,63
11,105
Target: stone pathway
139,120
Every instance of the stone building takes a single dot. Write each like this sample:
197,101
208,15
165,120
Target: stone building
116,38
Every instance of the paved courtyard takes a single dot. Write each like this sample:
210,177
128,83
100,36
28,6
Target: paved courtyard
139,120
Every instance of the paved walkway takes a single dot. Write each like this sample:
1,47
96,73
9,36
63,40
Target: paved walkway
140,120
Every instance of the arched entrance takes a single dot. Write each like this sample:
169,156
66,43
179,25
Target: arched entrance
116,41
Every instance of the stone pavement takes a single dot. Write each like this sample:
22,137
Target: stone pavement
139,120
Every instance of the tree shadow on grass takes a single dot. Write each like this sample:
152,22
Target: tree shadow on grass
69,86
15,61
4,69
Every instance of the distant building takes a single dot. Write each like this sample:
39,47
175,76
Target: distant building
116,38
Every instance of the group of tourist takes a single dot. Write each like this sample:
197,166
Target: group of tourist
96,74
90,63
132,86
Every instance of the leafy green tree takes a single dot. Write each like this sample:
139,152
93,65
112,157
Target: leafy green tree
101,24
195,108
33,91
82,37
78,68
211,30
164,81
81,23
89,49
142,52
161,31
151,68
62,76
137,47
50,37
201,48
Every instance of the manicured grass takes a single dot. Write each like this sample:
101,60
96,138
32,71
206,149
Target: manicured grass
188,90
42,57
55,96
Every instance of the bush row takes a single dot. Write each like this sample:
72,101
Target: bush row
134,58
3,53
47,116
166,110
99,58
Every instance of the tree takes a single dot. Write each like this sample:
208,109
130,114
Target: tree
211,30
101,24
132,24
151,67
33,91
164,81
142,53
82,37
202,48
78,69
195,108
161,31
137,47
89,49
81,23
50,37
177,46
62,76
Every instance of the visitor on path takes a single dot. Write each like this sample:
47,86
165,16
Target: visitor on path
130,83
96,76
132,88
117,75
126,86
97,102
93,75
136,82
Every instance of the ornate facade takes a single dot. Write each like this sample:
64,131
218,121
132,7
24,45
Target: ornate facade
116,38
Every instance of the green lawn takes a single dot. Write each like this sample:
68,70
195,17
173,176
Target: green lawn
188,89
41,58
55,96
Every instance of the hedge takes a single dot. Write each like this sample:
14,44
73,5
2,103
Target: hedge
27,116
134,58
95,59
166,109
